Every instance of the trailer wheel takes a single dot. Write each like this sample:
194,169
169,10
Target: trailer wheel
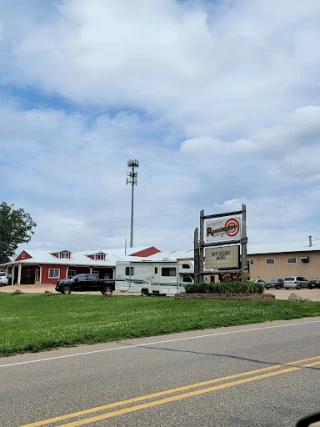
144,292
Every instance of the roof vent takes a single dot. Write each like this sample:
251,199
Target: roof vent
310,241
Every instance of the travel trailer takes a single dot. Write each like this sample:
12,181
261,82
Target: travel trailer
160,277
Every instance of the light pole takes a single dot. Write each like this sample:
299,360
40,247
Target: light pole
133,180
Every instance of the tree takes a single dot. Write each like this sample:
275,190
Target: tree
15,228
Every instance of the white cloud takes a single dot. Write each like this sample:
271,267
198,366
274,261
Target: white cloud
219,101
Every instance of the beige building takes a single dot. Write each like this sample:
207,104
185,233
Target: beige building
283,260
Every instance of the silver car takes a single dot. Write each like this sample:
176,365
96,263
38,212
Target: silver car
296,282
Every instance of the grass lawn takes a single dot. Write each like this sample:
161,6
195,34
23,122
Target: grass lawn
32,322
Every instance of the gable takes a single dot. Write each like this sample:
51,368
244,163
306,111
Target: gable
98,256
22,256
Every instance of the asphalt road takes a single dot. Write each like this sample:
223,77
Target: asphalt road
253,375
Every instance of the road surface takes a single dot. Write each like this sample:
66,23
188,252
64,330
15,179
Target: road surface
254,375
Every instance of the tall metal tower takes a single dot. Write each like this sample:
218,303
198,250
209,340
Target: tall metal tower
133,180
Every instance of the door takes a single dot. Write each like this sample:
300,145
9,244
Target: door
304,283
80,284
93,283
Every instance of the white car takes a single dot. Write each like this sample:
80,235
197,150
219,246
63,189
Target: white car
296,282
259,280
3,279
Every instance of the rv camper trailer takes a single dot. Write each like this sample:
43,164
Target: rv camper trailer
147,277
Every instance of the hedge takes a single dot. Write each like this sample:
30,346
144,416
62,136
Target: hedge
236,287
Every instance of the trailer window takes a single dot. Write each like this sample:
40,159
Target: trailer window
129,271
155,270
185,266
168,271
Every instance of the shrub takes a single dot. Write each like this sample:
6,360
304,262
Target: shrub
235,287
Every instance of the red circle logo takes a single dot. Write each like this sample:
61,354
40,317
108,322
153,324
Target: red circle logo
232,227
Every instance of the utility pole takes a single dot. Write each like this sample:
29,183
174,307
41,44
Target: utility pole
133,180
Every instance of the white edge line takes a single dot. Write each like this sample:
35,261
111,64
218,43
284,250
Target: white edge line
156,342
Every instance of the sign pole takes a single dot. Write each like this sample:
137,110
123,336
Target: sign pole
201,250
244,240
196,256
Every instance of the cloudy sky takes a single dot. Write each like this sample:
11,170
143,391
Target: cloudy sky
218,99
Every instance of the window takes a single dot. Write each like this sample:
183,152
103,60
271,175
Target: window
251,261
292,260
54,273
23,255
155,270
71,273
129,271
270,261
168,271
64,254
185,266
100,257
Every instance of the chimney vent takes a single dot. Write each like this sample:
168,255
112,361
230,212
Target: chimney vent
310,241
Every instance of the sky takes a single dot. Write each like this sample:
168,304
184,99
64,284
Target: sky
219,100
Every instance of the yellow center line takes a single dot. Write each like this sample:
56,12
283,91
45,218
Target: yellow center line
183,396
174,398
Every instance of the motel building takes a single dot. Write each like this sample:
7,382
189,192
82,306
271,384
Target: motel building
34,267
283,260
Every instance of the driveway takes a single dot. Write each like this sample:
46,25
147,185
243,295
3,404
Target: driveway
40,289
312,294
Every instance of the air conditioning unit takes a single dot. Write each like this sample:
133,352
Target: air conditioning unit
305,259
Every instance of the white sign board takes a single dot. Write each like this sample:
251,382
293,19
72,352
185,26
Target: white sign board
221,230
222,257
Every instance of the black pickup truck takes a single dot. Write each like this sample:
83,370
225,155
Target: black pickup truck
85,282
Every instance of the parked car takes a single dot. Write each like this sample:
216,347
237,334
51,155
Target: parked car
314,283
295,282
85,282
274,283
4,281
259,280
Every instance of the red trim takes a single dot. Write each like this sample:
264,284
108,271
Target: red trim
146,252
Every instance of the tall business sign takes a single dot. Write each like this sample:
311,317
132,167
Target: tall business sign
221,238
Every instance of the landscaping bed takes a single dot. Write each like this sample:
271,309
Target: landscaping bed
233,296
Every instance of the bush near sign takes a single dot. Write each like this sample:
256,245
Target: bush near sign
223,229
222,257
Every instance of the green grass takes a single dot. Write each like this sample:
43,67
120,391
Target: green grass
31,323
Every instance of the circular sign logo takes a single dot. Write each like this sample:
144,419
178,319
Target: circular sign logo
232,227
